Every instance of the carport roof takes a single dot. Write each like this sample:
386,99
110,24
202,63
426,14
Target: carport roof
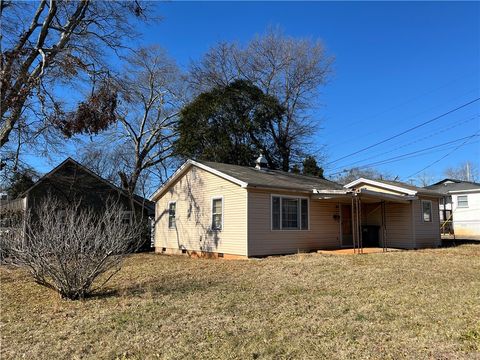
397,186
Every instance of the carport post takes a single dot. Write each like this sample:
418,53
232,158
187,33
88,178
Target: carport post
356,224
360,232
384,227
354,235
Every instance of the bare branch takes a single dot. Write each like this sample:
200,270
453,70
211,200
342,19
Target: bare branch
69,248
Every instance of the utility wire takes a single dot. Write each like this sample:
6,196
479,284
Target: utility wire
405,131
349,140
448,128
446,155
411,154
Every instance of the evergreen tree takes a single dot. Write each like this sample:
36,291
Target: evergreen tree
19,182
310,167
229,124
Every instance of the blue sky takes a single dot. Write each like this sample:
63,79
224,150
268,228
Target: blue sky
397,64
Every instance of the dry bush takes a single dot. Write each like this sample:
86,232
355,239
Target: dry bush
68,248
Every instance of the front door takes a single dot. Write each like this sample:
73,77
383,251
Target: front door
346,225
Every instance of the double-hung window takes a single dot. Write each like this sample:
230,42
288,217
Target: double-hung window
427,210
217,213
462,201
289,213
127,217
172,208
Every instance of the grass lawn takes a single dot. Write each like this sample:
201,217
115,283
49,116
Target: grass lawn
415,304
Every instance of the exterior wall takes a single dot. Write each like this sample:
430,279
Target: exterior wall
375,188
398,221
12,215
193,194
427,234
466,221
323,233
14,205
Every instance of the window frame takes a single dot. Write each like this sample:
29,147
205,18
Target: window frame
211,213
299,198
130,216
175,216
431,211
458,202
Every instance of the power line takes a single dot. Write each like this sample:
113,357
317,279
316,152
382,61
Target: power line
404,145
446,155
349,140
406,131
411,154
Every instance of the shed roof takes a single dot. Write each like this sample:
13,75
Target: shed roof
149,205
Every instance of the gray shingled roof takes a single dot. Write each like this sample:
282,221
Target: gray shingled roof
455,185
273,178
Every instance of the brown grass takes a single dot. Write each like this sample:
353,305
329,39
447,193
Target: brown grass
416,305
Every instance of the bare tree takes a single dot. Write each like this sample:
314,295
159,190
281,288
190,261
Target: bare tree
425,179
288,68
70,249
152,93
49,45
467,171
356,173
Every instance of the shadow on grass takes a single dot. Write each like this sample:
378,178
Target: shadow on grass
160,287
459,242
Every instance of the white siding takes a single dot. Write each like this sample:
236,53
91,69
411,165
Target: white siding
262,240
466,221
193,194
398,220
427,234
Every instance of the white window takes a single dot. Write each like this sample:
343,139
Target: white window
217,213
289,213
462,201
427,210
172,209
126,217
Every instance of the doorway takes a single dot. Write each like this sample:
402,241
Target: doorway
346,231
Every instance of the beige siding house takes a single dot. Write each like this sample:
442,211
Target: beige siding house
222,210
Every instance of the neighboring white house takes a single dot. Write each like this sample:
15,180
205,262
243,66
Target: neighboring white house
460,205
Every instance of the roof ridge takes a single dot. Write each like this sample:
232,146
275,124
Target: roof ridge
272,170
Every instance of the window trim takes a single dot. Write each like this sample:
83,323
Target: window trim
168,212
211,212
127,212
458,202
299,215
431,211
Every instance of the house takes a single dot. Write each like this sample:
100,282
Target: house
459,207
70,181
223,210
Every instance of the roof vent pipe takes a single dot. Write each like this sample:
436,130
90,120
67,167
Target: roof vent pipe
261,163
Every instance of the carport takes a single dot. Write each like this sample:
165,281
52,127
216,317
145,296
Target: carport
362,216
